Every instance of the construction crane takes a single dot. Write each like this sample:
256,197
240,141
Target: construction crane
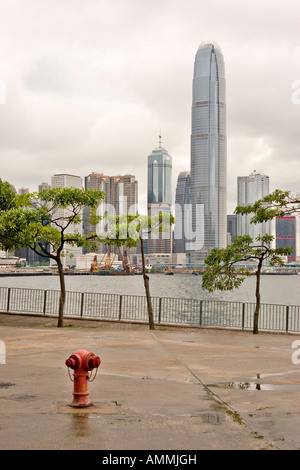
106,259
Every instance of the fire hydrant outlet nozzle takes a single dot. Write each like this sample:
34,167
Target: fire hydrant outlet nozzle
82,362
73,362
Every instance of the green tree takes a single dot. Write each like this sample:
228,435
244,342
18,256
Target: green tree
8,197
129,230
276,204
48,222
224,269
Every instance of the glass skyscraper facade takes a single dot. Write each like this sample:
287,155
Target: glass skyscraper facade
182,199
159,196
209,149
286,235
159,177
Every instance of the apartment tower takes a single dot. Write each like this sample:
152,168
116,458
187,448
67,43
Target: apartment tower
249,190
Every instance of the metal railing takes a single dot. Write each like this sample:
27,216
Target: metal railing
167,311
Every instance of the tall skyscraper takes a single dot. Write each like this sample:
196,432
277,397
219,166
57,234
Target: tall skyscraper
182,200
249,190
64,180
209,151
159,196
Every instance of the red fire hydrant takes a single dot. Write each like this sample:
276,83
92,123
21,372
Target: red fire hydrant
82,362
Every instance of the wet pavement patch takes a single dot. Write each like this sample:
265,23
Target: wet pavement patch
255,386
96,408
25,397
213,418
6,384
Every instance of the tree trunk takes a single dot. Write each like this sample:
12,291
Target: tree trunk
62,297
147,289
257,295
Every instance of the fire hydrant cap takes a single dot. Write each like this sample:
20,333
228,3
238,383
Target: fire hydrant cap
92,362
73,362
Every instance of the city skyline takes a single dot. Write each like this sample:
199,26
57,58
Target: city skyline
91,93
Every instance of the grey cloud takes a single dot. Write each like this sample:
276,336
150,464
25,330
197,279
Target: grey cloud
90,84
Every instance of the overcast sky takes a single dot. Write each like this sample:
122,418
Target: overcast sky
86,85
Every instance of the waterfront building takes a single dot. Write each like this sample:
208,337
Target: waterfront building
208,186
286,235
159,197
121,192
182,222
231,227
125,193
99,182
64,180
121,197
249,190
23,191
43,186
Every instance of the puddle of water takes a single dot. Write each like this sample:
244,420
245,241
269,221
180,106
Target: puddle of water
256,386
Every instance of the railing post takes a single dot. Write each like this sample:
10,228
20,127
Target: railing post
243,316
201,307
8,300
287,319
120,308
159,309
45,302
81,304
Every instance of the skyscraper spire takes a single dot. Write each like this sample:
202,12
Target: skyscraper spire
159,138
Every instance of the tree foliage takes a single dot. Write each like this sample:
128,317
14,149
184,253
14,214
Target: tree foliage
47,222
7,196
130,230
276,204
226,267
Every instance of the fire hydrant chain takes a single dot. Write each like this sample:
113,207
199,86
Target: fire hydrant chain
82,362
72,380
95,374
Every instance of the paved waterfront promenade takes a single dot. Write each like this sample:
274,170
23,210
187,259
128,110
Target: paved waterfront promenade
167,389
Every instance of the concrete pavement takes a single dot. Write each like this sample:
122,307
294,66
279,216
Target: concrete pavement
167,389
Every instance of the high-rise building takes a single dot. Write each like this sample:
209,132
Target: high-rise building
23,191
159,196
43,186
209,151
121,197
159,177
182,201
99,182
249,190
126,194
231,227
286,235
64,180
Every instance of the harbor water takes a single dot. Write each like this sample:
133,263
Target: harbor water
275,289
